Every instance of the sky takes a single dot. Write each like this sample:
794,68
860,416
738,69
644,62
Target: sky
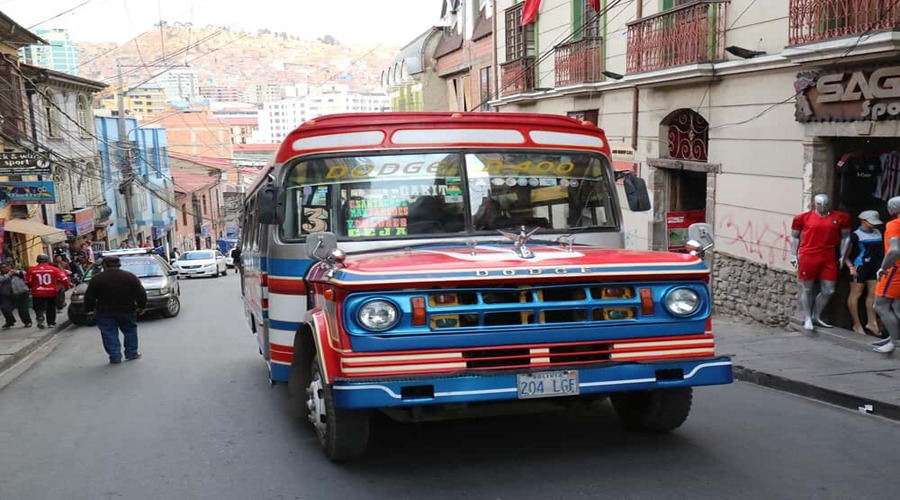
388,22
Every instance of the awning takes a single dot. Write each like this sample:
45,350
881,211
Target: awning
48,234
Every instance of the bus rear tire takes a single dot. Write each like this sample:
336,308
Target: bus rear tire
657,411
343,434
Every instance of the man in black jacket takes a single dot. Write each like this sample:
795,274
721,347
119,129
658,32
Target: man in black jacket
117,297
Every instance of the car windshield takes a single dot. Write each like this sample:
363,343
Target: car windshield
142,267
391,196
196,255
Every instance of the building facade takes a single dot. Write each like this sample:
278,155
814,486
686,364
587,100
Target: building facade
64,130
179,84
465,55
152,187
60,54
737,114
412,72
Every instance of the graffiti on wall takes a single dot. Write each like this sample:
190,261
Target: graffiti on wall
768,242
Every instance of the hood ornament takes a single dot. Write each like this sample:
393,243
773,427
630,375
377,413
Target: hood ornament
521,241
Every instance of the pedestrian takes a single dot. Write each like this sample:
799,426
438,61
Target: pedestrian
44,281
14,295
116,297
236,259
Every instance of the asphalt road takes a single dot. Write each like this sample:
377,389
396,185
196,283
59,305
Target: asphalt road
195,418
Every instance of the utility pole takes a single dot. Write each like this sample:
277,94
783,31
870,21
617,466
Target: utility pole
126,186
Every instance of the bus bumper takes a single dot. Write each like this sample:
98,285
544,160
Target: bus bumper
471,388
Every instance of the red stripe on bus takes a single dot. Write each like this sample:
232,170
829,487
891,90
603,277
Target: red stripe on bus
287,287
282,348
281,356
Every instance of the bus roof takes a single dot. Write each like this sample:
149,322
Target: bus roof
393,130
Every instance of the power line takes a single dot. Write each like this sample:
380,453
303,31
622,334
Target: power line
82,4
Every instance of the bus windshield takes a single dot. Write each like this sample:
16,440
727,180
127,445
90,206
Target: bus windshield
433,194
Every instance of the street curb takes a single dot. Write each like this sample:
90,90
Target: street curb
838,336
812,391
11,361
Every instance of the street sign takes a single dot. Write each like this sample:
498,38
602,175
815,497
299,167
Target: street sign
27,193
24,163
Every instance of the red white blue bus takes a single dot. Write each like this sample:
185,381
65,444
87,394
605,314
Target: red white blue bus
422,264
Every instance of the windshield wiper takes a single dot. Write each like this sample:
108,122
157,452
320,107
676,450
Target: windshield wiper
152,276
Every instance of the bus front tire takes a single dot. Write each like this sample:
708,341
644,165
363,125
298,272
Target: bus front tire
657,412
343,434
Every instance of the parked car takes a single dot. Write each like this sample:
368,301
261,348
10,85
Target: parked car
201,263
158,277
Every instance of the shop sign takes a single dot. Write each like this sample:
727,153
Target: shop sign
863,95
76,223
2,234
677,224
24,163
28,193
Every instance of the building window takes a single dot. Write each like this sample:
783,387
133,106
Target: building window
51,116
591,21
519,39
84,117
486,92
184,214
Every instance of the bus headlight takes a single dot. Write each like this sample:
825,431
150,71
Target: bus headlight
682,301
378,315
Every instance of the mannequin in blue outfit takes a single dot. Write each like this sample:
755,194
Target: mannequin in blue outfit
863,260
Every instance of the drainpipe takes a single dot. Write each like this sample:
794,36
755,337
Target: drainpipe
636,94
494,66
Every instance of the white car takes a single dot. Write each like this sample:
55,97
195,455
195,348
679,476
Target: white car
229,260
201,263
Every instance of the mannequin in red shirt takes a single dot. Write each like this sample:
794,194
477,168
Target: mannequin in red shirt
815,237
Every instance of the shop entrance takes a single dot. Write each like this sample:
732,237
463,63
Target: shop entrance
867,174
687,205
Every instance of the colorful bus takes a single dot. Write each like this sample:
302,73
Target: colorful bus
429,265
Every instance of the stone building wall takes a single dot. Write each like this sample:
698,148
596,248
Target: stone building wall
755,291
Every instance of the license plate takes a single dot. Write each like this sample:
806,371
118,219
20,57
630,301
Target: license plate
547,384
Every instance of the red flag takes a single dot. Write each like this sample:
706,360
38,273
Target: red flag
530,11
596,5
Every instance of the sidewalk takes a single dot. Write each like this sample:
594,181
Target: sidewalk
18,341
830,365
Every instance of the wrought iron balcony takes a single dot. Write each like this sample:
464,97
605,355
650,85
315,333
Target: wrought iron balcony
815,20
580,61
692,33
517,76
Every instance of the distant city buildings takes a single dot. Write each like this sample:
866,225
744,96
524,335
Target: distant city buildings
179,84
61,55
144,102
263,92
221,93
278,118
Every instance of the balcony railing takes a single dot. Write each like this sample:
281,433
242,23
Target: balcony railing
689,34
517,76
815,20
580,61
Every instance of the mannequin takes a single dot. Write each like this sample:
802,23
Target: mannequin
864,259
887,299
814,237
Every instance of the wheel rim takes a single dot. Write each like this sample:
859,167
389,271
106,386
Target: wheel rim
315,402
173,306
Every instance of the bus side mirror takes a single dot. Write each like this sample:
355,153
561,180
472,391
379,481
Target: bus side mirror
636,193
268,204
700,238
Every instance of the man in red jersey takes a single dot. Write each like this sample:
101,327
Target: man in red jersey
44,281
815,235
